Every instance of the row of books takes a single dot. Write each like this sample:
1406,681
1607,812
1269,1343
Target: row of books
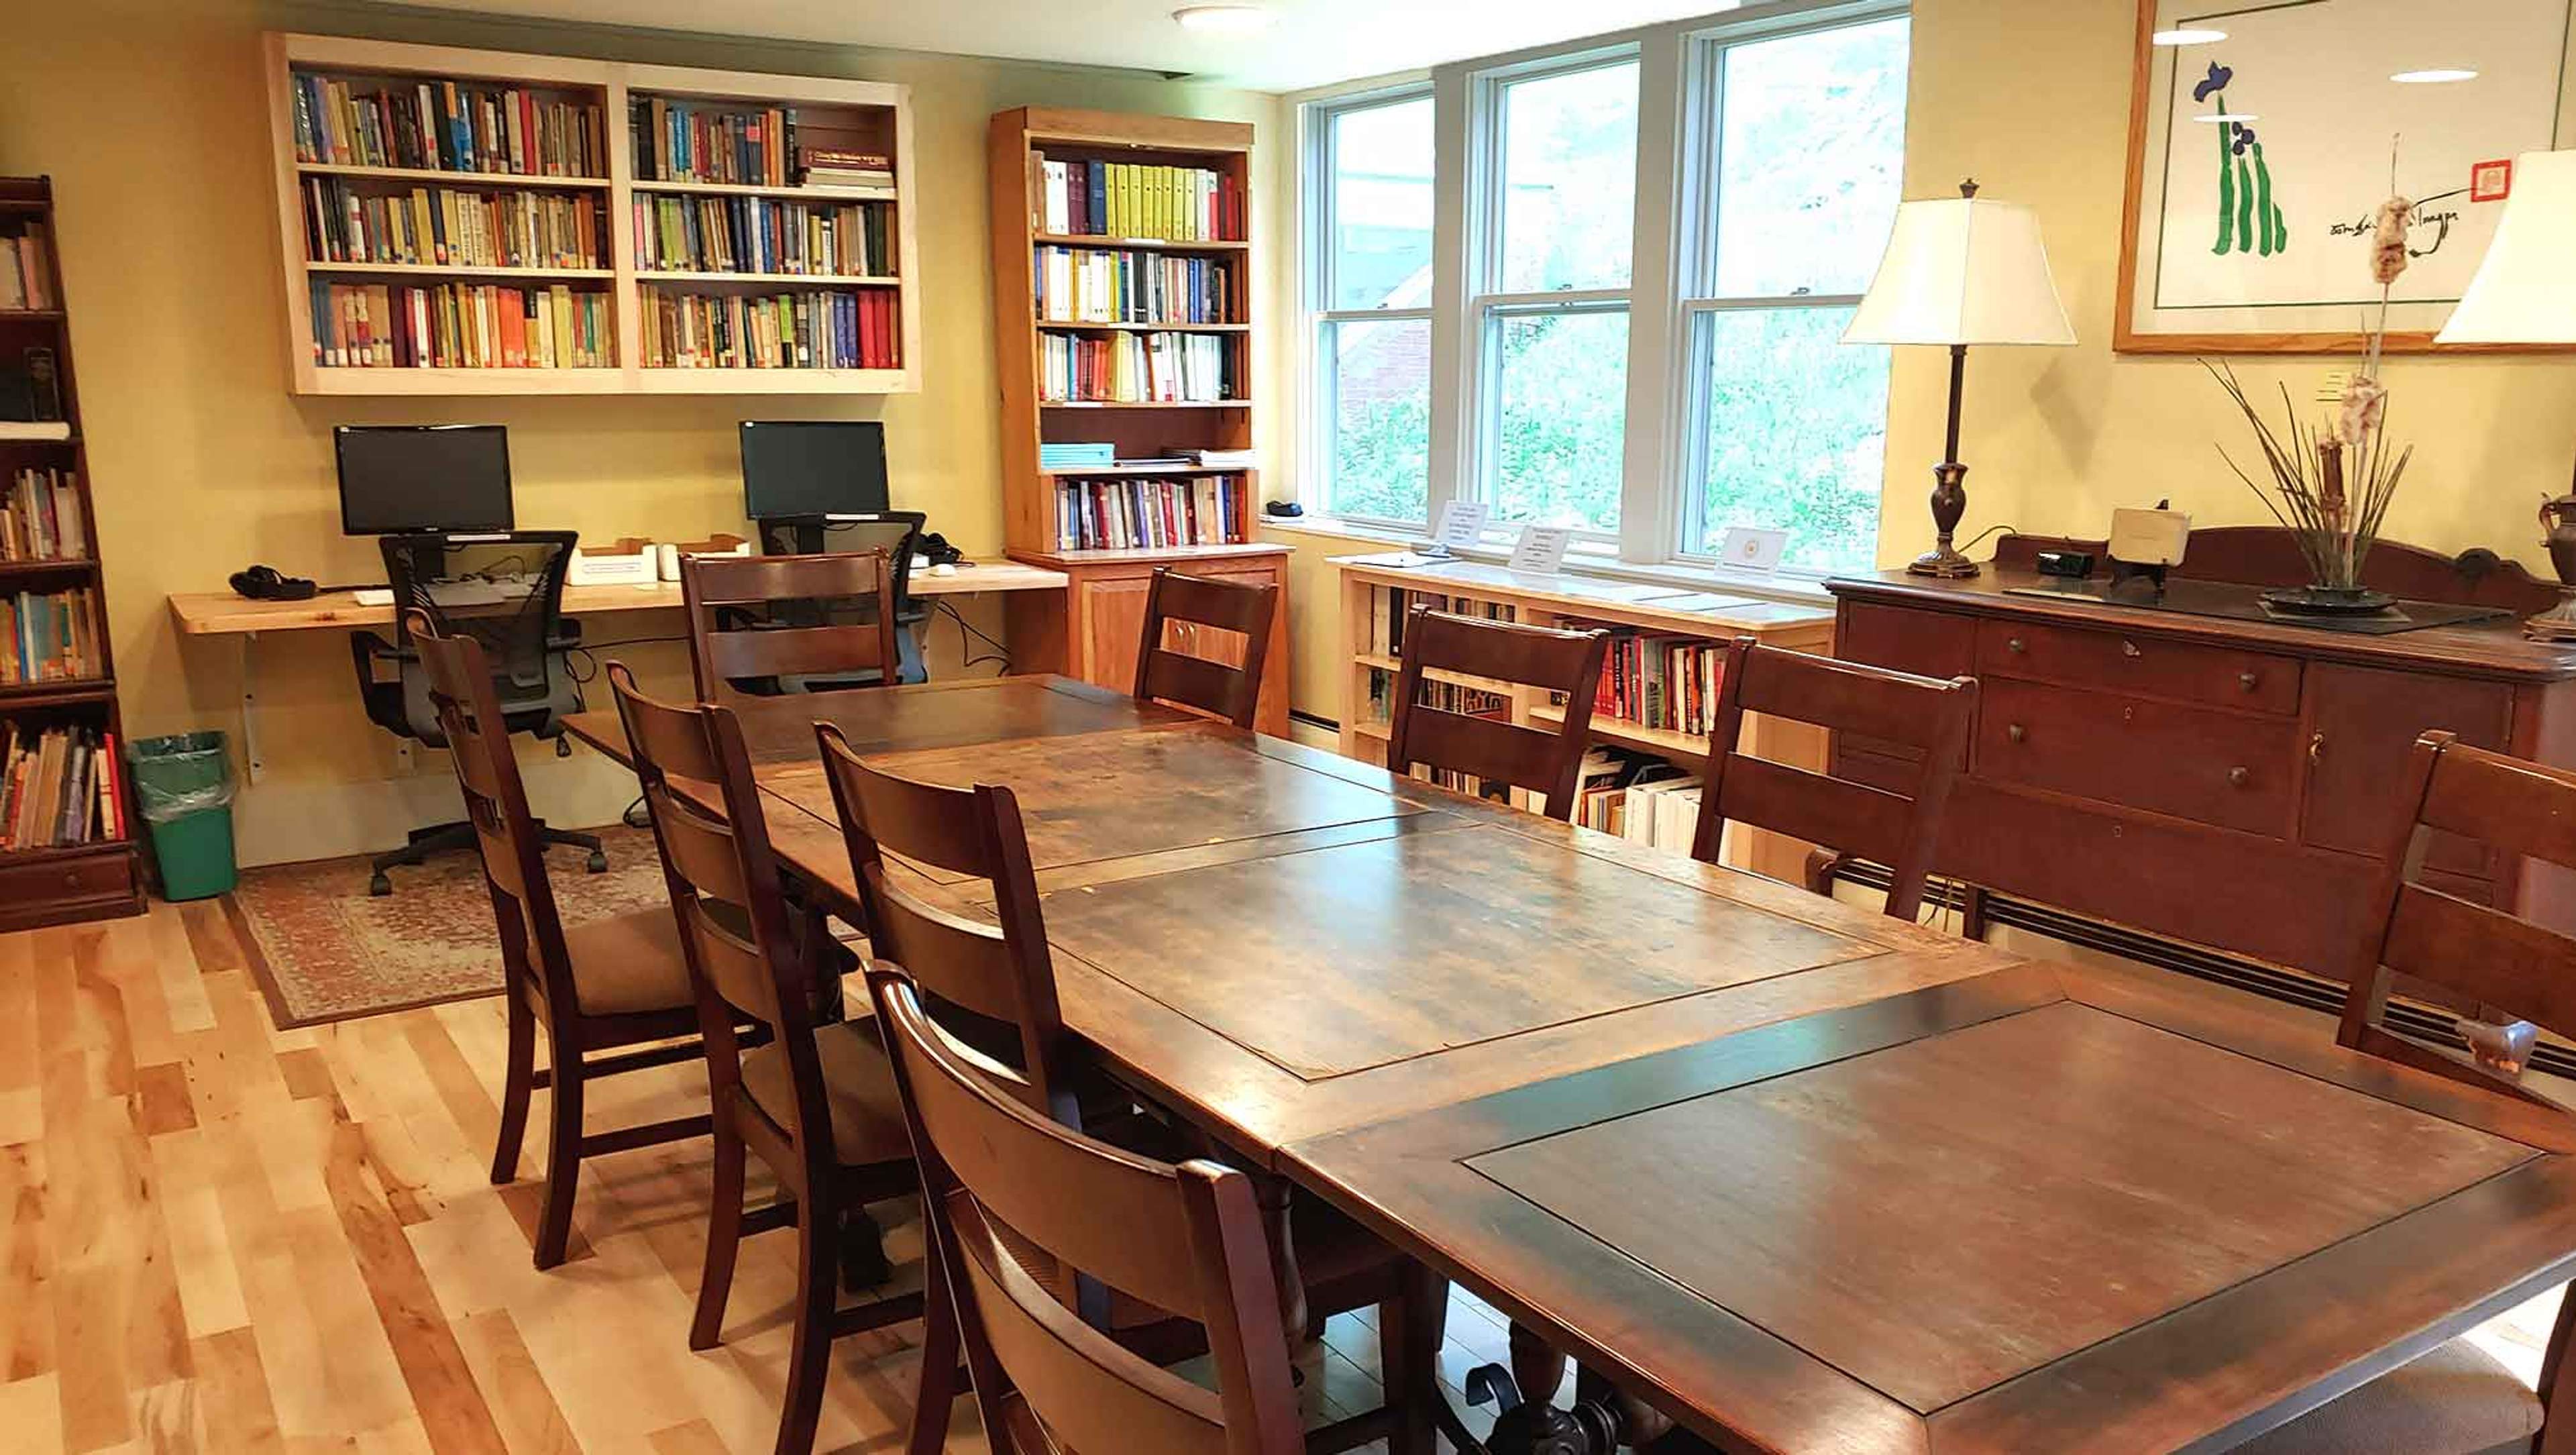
738,146
51,636
1644,800
1126,513
1133,368
446,126
839,329
1388,608
1661,681
1133,199
445,226
460,326
40,518
62,787
763,235
1095,285
26,271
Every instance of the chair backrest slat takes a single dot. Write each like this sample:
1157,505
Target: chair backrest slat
1900,831
1228,690
1187,1239
1535,759
716,588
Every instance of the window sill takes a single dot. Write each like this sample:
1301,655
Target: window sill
1804,590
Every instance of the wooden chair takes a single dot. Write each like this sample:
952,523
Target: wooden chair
1186,1238
612,985
817,1102
992,987
718,590
1525,757
1204,684
2457,1398
1843,816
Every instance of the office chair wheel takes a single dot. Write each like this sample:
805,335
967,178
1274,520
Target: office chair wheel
597,863
380,885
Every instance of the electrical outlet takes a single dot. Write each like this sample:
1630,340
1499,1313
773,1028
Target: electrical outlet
2330,388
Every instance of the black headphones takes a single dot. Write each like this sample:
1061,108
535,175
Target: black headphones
267,583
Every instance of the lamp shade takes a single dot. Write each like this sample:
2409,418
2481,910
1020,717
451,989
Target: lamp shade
1960,270
2525,288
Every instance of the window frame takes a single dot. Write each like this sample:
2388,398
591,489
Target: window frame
1317,286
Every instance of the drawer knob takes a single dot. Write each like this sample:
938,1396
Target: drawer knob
2015,731
2014,644
2128,649
2238,776
2245,679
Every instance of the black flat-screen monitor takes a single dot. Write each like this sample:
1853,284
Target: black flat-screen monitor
423,477
805,468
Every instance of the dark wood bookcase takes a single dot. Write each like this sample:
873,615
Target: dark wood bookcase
81,881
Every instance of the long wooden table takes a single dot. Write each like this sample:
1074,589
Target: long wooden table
1805,1177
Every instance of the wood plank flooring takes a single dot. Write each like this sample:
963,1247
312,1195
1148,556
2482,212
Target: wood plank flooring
217,1236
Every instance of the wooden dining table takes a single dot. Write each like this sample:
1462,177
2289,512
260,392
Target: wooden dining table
1806,1178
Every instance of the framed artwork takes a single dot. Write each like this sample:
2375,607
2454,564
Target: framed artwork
2262,137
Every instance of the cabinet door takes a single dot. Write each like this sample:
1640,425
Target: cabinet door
2361,723
1113,626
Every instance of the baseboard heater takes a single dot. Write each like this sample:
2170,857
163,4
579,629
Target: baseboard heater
2271,981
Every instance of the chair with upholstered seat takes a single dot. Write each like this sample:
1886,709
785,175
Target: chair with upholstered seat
1214,620
613,984
816,1103
1506,654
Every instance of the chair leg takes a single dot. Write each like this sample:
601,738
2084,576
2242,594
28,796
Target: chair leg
563,1159
724,1240
937,1396
1410,1327
809,1359
517,1078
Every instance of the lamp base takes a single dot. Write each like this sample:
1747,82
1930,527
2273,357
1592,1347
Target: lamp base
1949,502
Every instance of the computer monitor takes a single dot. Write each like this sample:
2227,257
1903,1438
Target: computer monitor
805,468
423,477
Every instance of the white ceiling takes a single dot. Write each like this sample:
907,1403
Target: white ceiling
1314,43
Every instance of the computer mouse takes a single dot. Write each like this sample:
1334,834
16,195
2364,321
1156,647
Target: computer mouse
943,569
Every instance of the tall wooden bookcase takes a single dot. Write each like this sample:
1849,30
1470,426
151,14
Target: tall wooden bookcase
91,880
863,116
1098,638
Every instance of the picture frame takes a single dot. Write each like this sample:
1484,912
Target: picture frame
2204,270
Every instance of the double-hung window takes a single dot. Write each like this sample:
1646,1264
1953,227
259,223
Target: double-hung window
1369,297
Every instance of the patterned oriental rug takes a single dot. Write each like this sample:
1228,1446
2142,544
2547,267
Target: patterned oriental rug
323,949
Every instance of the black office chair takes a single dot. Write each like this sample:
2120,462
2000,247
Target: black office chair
505,590
898,532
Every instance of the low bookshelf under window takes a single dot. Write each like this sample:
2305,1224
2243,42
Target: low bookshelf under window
1652,709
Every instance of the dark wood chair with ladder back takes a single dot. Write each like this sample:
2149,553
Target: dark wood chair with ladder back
1915,717
1504,653
1183,610
1186,1238
612,994
992,986
741,647
2493,968
816,1102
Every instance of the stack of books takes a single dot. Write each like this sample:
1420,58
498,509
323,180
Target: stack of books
761,235
1094,285
26,272
49,636
1076,455
1139,368
1129,199
40,519
842,329
459,326
445,226
1127,513
675,142
442,126
1661,681
62,788
834,167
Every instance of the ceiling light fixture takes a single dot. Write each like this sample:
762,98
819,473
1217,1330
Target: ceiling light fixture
1225,19
2189,35
2434,76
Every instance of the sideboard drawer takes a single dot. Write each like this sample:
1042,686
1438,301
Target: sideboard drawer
2155,666
2222,768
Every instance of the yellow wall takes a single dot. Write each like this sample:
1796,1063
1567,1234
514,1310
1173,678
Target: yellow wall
2032,98
150,119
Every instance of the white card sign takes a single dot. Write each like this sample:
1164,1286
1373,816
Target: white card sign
1462,523
1541,548
1749,549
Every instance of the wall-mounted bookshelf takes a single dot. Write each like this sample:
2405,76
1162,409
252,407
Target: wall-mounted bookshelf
488,222
69,833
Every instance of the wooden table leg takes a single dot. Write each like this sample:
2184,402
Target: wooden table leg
1277,1195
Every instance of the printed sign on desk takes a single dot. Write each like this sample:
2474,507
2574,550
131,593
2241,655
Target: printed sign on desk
1462,523
1541,549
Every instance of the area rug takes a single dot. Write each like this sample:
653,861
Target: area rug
323,949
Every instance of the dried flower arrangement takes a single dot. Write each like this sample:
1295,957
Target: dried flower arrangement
2331,484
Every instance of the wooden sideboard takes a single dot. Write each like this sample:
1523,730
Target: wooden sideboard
2215,781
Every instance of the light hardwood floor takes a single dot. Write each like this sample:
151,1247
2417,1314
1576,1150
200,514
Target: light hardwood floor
217,1236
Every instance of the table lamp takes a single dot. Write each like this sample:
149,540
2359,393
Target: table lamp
2524,292
1958,272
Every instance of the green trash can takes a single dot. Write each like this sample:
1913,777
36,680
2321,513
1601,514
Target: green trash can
185,783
